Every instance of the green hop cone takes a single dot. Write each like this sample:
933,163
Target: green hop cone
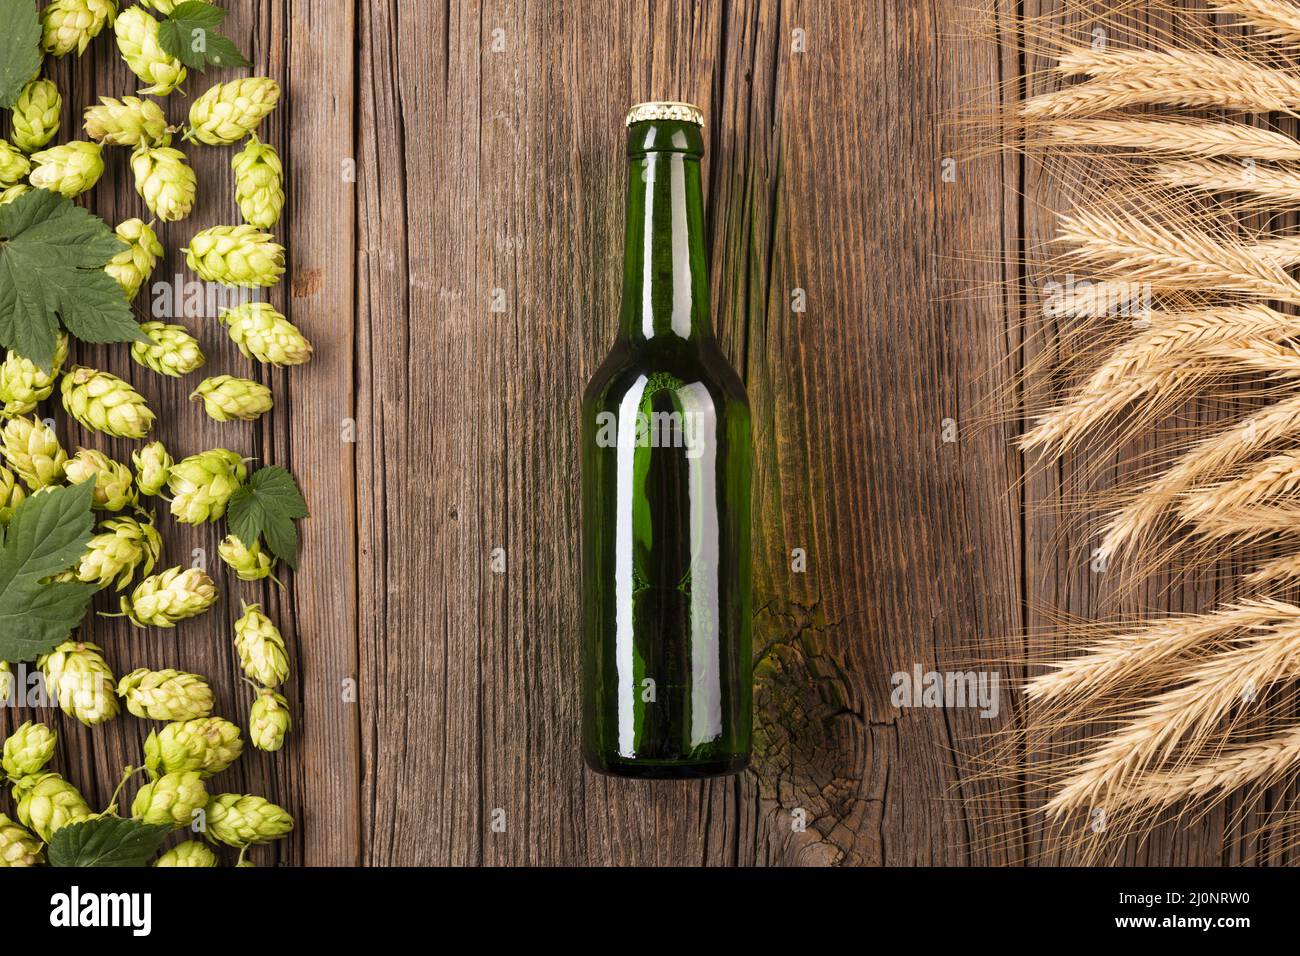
240,820
132,267
105,403
152,467
262,333
114,483
228,397
129,121
189,853
77,676
174,351
165,695
14,165
6,682
201,485
122,546
206,745
165,7
227,112
269,720
11,495
23,383
68,25
46,802
259,183
236,255
17,846
164,180
248,563
13,192
35,116
137,41
27,750
260,647
161,600
68,169
33,452
171,799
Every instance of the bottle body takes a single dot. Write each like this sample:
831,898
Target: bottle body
666,459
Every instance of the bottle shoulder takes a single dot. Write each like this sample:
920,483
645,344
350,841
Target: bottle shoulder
665,364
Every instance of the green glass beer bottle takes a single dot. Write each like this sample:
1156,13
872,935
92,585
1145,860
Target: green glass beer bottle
665,492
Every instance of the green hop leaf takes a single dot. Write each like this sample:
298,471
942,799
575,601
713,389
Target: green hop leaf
267,506
190,34
107,841
20,52
52,258
46,536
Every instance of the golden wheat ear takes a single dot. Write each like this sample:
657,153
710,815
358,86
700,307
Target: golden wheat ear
1266,184
1264,762
1143,250
1116,660
1286,568
1174,350
1278,475
1178,724
1273,18
1063,426
1163,137
1123,78
1173,336
1209,458
1090,300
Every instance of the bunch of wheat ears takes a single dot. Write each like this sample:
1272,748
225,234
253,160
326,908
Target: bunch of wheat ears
1191,303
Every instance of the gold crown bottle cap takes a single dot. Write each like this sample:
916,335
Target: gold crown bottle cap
665,110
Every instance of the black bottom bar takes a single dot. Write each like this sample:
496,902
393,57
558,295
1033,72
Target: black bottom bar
293,905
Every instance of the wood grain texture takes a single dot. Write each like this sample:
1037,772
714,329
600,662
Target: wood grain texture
456,185
495,170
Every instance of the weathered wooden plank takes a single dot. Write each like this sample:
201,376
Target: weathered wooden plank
426,572
856,392
319,430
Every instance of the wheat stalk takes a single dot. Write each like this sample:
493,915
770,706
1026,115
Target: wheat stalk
1189,258
1201,138
1274,183
1277,18
1179,719
1123,78
1118,659
1266,761
1210,456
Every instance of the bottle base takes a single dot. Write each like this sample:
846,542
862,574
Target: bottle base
668,769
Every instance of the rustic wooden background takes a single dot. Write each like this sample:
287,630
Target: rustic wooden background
455,226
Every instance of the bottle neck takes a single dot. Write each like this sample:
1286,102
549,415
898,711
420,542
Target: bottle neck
665,275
